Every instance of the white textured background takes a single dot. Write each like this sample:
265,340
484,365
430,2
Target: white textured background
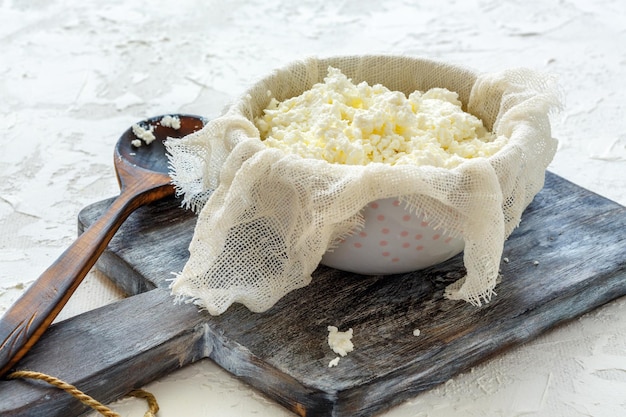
75,74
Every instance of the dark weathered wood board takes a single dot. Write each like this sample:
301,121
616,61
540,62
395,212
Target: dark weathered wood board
578,238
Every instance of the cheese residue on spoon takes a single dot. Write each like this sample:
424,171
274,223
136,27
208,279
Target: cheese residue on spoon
145,134
170,121
344,123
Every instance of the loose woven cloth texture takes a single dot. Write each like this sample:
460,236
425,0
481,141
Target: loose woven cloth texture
266,217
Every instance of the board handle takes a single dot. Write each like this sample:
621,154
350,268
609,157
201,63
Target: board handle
24,323
106,353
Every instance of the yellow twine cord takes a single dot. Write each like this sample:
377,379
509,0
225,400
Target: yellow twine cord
86,399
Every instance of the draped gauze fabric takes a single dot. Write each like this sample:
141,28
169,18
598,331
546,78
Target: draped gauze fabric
267,217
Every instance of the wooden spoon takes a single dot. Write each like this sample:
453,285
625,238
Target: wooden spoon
142,173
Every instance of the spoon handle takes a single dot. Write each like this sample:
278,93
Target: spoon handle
24,323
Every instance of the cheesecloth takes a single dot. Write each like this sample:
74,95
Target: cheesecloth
267,217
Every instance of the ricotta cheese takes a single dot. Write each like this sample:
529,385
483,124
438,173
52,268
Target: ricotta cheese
143,133
344,123
171,121
340,342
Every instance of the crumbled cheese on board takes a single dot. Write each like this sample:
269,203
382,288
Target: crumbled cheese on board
171,121
334,362
136,143
340,342
344,123
416,332
144,134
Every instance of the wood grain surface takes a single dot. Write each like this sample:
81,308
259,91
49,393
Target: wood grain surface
567,257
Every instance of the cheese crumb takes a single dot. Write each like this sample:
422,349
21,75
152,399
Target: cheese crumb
340,342
334,362
344,123
136,143
416,332
144,134
535,263
171,121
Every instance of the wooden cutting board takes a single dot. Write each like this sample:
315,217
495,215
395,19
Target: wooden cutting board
567,257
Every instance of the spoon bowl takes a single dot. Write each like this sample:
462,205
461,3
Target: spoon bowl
152,157
142,173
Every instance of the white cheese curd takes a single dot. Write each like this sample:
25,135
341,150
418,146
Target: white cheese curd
171,121
136,143
340,342
144,134
334,362
344,123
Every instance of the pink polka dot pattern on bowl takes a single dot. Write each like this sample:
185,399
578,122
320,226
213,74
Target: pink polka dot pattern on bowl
392,240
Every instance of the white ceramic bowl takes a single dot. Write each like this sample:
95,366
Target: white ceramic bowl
392,241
